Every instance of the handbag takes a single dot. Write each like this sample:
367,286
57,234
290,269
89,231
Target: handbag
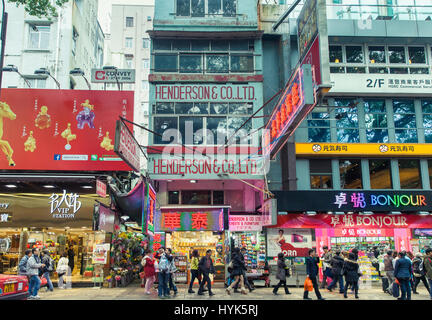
308,285
287,273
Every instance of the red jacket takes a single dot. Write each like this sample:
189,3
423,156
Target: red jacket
149,268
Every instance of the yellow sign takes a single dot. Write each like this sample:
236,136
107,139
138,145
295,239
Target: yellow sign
364,149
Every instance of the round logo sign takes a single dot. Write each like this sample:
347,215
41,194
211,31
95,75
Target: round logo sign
383,148
316,148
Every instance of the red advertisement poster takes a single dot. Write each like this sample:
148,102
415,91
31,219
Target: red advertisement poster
63,130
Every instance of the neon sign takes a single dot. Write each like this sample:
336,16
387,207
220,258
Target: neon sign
191,221
151,208
294,104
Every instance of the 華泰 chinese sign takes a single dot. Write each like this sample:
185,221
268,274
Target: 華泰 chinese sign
200,220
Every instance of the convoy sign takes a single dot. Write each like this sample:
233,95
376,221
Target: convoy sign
109,76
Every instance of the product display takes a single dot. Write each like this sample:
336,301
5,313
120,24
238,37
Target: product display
181,275
254,242
369,272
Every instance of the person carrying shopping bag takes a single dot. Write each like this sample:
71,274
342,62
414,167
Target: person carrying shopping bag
312,272
282,274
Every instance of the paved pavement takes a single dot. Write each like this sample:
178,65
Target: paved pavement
135,292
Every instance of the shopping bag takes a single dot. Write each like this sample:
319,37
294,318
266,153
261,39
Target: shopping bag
395,289
43,282
308,285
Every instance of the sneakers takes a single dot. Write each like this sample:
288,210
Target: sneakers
191,291
148,292
211,294
36,297
32,298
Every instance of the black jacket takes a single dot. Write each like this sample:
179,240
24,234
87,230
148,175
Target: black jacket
351,270
281,271
337,264
45,260
238,264
203,268
312,266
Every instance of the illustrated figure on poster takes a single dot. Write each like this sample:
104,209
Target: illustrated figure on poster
67,134
106,143
6,112
281,239
30,144
43,119
86,116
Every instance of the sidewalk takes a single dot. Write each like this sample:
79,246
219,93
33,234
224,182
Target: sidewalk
135,292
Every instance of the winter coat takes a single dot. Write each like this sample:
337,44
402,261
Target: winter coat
33,266
337,265
238,264
428,267
416,265
312,266
281,271
403,268
62,265
388,263
326,257
22,266
351,270
46,260
149,266
194,263
202,266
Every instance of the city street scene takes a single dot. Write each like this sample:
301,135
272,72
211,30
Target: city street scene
206,150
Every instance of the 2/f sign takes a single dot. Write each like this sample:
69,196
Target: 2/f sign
375,83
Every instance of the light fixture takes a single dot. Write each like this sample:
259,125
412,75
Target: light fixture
372,61
44,71
424,213
87,187
125,217
10,186
339,212
169,181
410,61
193,181
329,212
367,213
311,213
337,60
13,68
79,72
395,212
49,186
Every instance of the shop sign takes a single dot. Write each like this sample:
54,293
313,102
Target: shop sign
120,75
191,221
151,209
292,242
382,84
5,244
101,188
307,26
164,92
62,130
5,217
422,233
64,205
100,253
245,223
363,149
126,146
157,241
354,201
293,106
353,221
347,232
107,219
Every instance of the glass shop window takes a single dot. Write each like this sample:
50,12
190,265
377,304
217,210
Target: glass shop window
350,174
409,174
320,174
380,174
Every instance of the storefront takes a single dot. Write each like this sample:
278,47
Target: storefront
192,228
59,222
345,220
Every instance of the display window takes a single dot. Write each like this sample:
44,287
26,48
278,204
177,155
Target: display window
255,244
9,250
183,243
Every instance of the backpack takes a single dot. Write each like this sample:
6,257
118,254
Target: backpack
421,268
50,265
163,264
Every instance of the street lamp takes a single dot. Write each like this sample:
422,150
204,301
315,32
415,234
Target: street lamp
44,71
79,72
12,68
113,69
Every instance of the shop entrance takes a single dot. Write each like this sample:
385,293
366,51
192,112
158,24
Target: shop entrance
183,243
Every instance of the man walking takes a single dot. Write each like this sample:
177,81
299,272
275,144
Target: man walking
388,267
327,256
312,272
337,264
49,266
428,268
33,266
206,267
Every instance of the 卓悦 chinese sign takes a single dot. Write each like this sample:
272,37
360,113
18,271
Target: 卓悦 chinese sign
200,220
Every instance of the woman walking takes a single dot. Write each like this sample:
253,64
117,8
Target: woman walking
282,274
238,266
352,274
194,270
62,269
419,275
403,273
149,270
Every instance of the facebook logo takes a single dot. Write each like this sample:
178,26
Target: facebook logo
57,157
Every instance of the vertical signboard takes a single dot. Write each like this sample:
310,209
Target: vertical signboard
126,146
151,209
101,188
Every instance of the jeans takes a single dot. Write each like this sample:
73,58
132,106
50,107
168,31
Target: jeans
194,275
390,276
315,286
149,283
281,283
172,285
163,278
34,285
430,287
337,278
205,279
405,288
417,281
49,282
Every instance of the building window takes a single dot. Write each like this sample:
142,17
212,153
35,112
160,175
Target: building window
173,197
397,54
163,125
218,197
190,63
427,119
405,122
346,122
129,22
416,55
129,63
377,54
354,54
319,127
166,63
39,37
409,174
74,40
320,174
144,85
128,42
196,197
336,55
242,63
146,64
217,63
146,43
350,174
199,8
376,121
37,83
380,174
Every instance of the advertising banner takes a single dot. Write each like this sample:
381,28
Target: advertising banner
100,253
245,223
181,220
126,146
354,201
292,242
67,130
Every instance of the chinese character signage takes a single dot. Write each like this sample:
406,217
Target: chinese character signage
101,188
157,241
354,201
199,220
151,209
64,205
293,106
363,149
126,146
63,130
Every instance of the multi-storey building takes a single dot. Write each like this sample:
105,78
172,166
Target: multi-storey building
72,40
